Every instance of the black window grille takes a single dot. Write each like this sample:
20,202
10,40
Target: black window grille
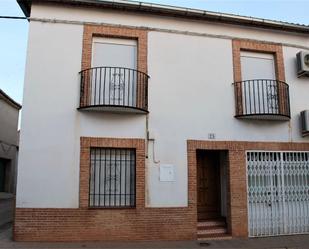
112,177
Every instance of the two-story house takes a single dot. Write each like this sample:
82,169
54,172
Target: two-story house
150,122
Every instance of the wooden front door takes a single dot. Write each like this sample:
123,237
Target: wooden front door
208,185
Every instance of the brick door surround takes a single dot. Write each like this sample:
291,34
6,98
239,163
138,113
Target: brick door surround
237,216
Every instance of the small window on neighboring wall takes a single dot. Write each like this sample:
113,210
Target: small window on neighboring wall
2,174
112,177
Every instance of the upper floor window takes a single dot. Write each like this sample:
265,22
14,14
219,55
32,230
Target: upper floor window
112,52
113,76
259,81
114,63
260,90
257,66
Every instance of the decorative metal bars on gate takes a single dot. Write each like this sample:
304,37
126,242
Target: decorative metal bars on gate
278,193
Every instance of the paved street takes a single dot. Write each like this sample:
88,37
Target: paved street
285,242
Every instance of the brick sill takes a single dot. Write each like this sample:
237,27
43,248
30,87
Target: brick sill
111,208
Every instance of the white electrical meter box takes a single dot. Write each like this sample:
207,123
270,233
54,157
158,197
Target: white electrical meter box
167,173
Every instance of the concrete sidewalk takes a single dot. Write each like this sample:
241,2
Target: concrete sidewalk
283,242
7,202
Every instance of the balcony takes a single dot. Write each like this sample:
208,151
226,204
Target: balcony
262,99
114,89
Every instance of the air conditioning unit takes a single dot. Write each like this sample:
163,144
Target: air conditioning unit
304,115
302,63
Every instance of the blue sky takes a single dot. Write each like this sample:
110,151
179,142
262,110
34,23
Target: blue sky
13,33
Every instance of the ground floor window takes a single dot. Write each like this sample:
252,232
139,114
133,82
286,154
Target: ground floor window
112,177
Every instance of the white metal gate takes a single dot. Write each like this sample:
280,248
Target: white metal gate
278,193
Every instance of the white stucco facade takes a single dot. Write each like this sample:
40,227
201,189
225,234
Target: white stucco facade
190,96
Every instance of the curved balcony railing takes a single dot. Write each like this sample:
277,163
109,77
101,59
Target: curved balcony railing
262,99
114,89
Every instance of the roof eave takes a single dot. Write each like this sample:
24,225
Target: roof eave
9,100
177,12
25,6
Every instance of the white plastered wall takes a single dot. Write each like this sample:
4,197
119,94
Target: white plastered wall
190,96
49,148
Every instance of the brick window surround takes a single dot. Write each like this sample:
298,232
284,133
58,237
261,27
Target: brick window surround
254,46
237,216
88,142
140,35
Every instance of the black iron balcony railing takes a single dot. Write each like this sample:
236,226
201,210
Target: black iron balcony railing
115,89
262,99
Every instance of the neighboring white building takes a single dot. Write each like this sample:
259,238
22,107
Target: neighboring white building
148,122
